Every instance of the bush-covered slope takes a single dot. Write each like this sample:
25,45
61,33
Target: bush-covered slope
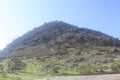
62,48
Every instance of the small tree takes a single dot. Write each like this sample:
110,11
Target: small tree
1,68
115,67
2,72
16,64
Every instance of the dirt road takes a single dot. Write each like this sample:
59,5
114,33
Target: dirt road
84,77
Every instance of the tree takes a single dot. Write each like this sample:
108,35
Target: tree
16,64
115,67
1,68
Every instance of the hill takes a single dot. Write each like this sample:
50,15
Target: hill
61,48
55,35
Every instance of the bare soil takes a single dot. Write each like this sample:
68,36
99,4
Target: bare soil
84,77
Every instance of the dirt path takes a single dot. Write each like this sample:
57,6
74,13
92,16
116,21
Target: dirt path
85,77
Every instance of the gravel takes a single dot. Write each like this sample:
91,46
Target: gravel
84,77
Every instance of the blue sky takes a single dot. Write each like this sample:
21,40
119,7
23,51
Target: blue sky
19,16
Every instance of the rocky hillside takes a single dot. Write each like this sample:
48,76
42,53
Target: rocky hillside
60,37
62,48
